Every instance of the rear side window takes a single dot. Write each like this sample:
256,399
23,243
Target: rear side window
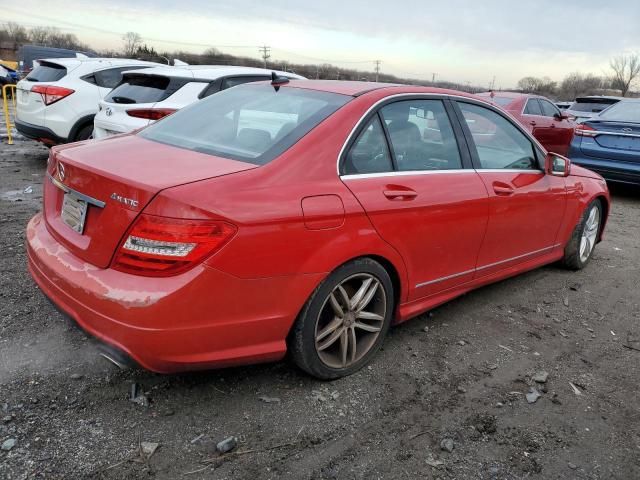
47,72
421,135
533,107
139,89
369,153
251,123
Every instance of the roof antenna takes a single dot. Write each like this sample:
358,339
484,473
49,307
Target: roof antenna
277,81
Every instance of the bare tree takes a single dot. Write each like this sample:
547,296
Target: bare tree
576,84
15,33
132,42
626,69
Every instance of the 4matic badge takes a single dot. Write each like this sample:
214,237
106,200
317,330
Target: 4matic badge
129,202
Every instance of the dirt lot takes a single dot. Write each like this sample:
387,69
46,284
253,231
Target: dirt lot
464,379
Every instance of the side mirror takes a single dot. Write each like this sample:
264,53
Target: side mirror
561,116
558,165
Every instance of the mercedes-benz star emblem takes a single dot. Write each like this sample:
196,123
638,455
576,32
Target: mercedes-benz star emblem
61,173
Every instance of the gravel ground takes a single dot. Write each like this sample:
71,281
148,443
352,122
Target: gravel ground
455,379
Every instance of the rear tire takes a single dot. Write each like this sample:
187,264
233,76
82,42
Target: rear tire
579,249
344,322
85,133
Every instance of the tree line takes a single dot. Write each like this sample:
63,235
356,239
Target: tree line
625,70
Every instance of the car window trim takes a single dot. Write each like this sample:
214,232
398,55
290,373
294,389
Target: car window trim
471,142
463,147
557,110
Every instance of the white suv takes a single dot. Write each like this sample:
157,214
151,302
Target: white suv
145,96
57,101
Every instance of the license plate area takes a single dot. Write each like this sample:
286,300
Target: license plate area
74,212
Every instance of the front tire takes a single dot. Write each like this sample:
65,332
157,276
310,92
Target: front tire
580,247
344,322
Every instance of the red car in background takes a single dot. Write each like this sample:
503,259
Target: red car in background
301,216
540,116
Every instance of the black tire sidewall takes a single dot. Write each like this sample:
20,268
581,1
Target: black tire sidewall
303,341
80,136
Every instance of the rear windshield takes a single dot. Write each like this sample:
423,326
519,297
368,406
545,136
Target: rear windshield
251,123
47,72
622,112
139,89
502,101
595,105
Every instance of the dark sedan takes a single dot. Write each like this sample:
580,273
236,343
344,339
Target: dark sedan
609,143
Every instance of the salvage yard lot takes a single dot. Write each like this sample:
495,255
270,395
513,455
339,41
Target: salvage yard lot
460,373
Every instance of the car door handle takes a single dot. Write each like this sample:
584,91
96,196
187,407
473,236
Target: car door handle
397,194
503,189
532,123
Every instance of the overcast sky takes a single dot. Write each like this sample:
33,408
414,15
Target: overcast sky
461,41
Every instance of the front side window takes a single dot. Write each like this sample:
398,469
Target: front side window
251,123
421,135
533,107
499,143
369,153
549,109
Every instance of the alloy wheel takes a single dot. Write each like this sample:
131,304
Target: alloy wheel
350,320
589,234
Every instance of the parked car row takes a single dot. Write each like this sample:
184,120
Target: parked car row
144,96
58,101
300,216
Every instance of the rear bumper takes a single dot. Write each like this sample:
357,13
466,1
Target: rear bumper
37,132
201,319
611,170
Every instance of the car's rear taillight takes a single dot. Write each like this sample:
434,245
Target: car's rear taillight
584,130
161,246
150,113
51,94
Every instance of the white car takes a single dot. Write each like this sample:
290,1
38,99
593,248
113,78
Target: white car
145,96
57,101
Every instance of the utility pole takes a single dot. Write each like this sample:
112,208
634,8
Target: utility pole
337,74
493,83
266,54
377,62
433,78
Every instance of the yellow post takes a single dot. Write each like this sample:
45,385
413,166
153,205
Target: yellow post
5,105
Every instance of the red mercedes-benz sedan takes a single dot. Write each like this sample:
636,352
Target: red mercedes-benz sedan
551,127
301,216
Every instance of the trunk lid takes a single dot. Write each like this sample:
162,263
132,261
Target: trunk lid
123,174
614,141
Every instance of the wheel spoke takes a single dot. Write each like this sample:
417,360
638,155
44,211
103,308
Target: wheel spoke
368,296
329,328
337,308
359,295
331,340
345,296
367,328
369,316
353,341
344,346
